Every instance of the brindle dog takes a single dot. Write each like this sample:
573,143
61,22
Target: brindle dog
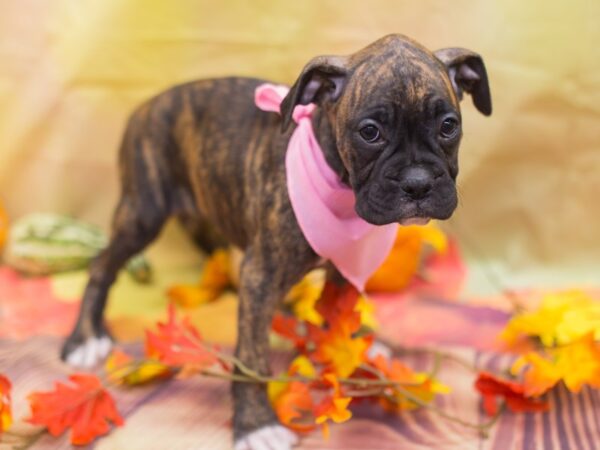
389,123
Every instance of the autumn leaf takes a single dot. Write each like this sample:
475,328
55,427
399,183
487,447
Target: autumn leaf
417,385
493,388
366,308
5,404
294,406
191,296
341,352
544,372
540,376
560,319
215,278
579,363
84,406
178,343
333,407
403,261
290,328
301,366
292,401
123,369
335,344
337,306
304,295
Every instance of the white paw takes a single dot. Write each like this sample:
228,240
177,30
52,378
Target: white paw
272,437
379,348
90,353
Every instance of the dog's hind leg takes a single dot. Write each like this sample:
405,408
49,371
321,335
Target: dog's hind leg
136,224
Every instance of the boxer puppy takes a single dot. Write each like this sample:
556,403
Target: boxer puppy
388,121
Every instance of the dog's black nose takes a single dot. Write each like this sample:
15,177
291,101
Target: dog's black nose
416,182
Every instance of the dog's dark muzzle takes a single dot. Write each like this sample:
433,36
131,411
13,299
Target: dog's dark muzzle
416,182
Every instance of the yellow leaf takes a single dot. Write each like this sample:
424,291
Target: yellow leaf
560,319
304,296
436,386
122,369
302,366
433,236
579,363
342,353
366,308
579,321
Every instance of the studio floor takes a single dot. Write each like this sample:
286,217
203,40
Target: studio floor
196,413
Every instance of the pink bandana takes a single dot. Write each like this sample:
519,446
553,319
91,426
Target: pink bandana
323,205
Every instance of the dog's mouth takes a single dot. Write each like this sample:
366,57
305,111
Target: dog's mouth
404,211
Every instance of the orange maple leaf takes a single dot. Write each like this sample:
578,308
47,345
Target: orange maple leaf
393,369
333,407
178,343
294,406
544,371
5,404
411,384
406,257
215,278
492,387
85,407
336,345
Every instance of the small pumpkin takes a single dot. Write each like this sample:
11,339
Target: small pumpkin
44,243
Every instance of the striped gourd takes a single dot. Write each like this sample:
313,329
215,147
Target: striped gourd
41,244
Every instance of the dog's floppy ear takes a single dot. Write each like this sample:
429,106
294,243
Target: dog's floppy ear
467,73
323,78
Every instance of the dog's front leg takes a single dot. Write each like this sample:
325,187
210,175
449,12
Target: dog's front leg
264,281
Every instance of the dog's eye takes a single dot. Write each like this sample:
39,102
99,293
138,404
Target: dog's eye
370,133
449,127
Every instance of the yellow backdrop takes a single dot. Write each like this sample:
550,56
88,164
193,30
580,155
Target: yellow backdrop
71,71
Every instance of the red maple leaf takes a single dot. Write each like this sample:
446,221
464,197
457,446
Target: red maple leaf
513,393
85,407
337,306
289,327
178,343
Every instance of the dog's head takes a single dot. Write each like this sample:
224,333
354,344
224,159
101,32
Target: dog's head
395,118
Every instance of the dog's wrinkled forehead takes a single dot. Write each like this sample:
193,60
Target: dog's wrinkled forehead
396,70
